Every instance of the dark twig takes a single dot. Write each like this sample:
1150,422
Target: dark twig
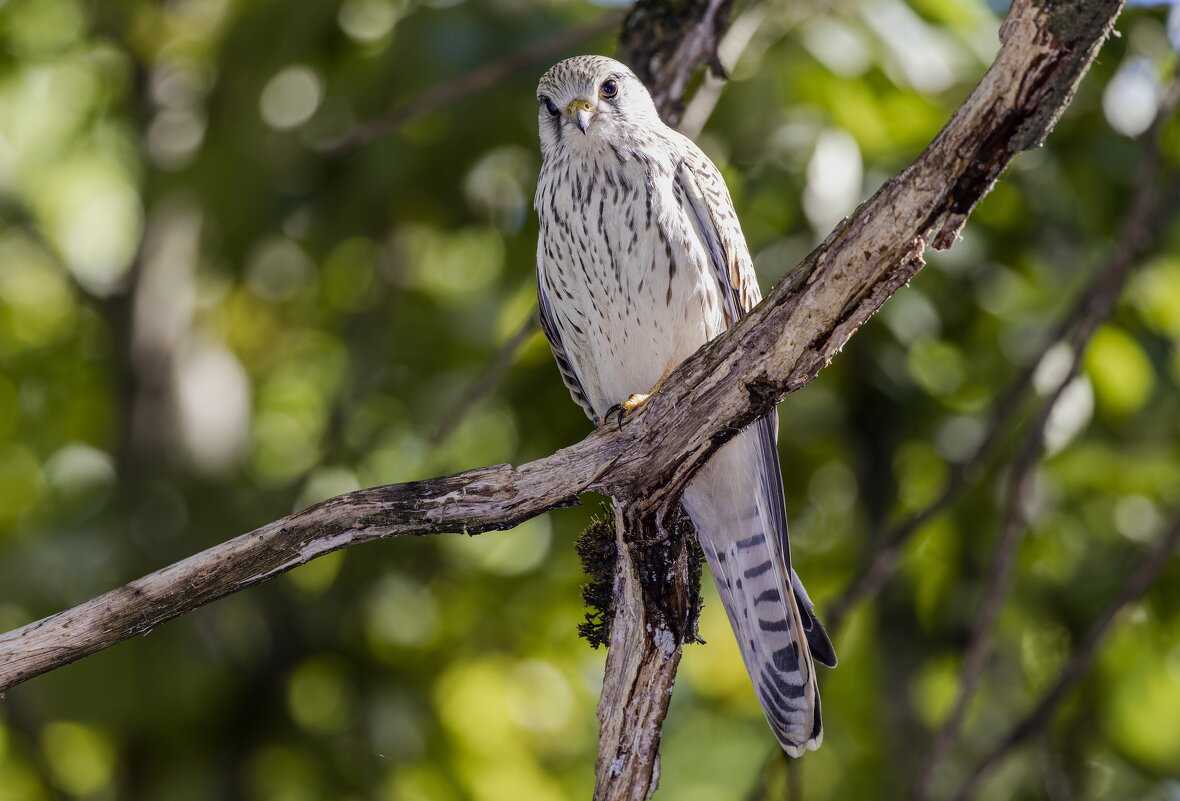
475,81
778,771
1097,305
484,383
1031,724
1055,780
761,789
794,779
884,560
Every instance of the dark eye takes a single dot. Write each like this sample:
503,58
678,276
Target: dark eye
551,107
609,89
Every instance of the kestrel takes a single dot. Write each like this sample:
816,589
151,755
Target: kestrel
640,261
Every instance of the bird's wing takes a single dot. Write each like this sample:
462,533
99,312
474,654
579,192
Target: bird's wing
716,222
749,552
565,364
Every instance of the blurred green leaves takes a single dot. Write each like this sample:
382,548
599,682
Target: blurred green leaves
38,307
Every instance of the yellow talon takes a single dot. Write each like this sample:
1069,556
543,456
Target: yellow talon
619,410
635,401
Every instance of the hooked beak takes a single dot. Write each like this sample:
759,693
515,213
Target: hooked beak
581,113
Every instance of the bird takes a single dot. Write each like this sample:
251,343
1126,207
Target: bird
640,261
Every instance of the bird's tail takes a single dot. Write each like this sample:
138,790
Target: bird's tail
736,504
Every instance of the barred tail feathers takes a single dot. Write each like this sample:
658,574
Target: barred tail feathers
737,507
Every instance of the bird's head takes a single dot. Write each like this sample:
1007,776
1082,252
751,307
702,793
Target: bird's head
590,99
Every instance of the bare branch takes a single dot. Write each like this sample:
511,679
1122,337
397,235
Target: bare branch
780,346
477,80
649,505
654,616
1137,584
478,500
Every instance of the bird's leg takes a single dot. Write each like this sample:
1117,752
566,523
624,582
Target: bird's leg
620,410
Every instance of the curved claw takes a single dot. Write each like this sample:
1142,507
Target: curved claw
620,410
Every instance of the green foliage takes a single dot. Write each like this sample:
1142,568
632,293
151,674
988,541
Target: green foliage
207,320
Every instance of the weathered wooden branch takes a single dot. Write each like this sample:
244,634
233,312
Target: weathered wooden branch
656,581
666,41
779,347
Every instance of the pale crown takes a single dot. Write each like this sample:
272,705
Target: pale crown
591,101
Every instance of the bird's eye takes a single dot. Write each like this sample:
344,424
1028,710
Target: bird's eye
551,107
609,89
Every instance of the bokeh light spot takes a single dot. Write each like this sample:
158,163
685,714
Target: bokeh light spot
21,482
368,20
400,613
1122,374
290,98
81,759
320,696
505,553
1130,99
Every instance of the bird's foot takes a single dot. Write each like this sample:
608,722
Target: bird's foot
621,410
